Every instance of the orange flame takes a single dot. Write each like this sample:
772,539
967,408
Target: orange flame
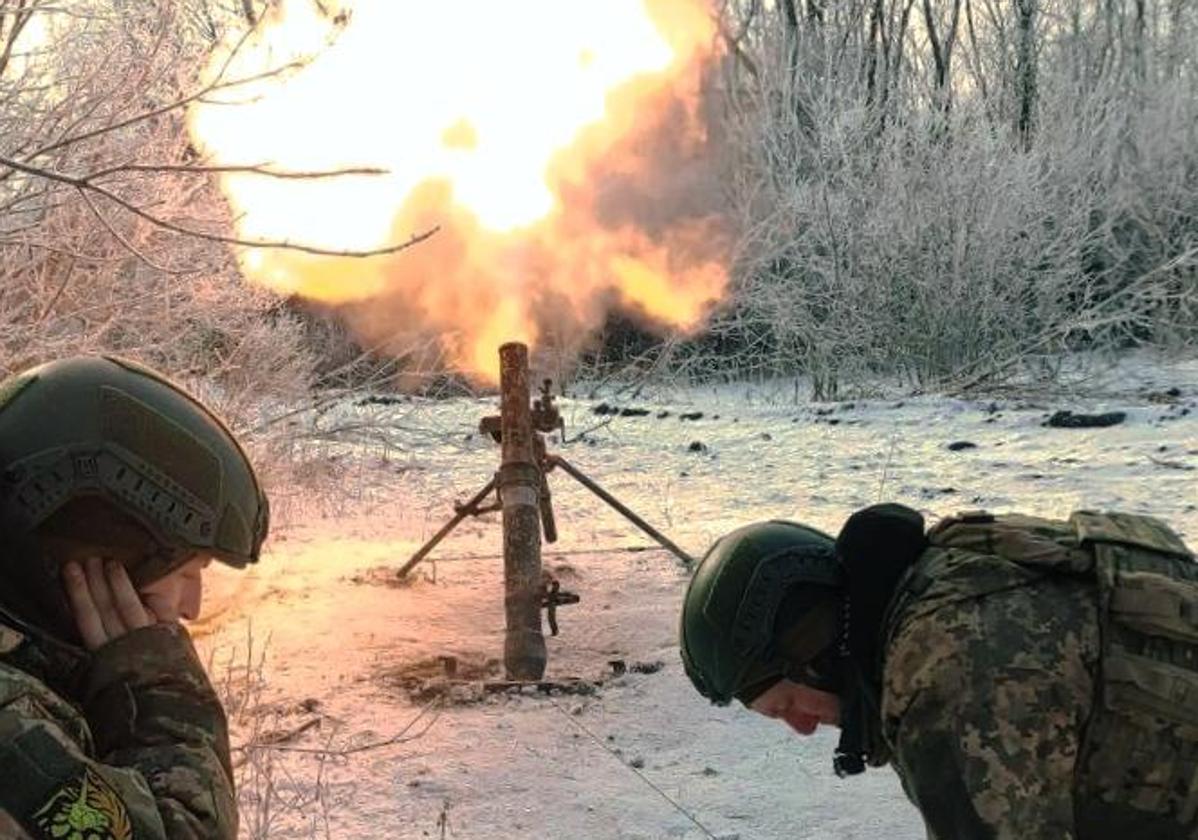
559,147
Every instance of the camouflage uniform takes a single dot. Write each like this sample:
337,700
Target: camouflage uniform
1054,695
129,740
140,749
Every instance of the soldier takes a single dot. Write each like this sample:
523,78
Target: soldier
1026,677
116,490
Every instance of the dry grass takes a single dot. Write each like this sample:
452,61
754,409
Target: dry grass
276,794
285,752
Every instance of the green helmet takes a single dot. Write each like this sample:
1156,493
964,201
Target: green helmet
105,428
728,635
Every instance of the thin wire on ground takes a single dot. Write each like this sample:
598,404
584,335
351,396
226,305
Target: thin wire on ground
577,724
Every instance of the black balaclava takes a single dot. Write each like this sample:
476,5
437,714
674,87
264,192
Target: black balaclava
876,546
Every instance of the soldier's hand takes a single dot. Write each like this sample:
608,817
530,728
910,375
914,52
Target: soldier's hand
103,601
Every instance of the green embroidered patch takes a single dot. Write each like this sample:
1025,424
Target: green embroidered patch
85,809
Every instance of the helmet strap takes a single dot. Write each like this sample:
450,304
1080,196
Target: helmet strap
849,757
861,740
857,701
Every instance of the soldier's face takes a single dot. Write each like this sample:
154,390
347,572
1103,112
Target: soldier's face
800,707
179,594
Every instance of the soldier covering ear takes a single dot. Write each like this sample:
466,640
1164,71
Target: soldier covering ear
116,489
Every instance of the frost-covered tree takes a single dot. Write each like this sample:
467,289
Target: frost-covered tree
112,236
939,189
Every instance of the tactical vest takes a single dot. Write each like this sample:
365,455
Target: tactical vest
1140,748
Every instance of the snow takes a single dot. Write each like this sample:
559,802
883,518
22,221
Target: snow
645,754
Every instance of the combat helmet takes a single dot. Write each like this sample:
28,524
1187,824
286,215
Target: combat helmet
103,428
747,581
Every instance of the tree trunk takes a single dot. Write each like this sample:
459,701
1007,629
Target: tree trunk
1138,51
1025,71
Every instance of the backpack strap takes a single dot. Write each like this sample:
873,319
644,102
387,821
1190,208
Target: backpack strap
1148,575
1048,544
1130,529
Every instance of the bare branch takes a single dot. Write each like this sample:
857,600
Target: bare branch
116,234
415,239
219,83
21,15
733,40
255,169
62,286
83,184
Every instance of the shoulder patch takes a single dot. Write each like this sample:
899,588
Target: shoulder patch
84,809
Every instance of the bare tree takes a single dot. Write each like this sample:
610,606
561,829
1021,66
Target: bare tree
942,38
912,217
1025,72
113,235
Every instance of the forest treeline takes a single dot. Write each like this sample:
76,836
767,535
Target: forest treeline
941,190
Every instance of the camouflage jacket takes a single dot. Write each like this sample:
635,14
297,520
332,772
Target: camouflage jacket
1020,700
137,749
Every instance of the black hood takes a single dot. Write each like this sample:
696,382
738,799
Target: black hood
876,546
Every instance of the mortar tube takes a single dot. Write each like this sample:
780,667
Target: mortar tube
519,483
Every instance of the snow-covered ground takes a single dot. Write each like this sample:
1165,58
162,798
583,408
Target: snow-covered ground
644,756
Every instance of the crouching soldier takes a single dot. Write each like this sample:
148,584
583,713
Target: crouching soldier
116,490
1026,677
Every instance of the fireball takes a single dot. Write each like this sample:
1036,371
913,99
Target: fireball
558,147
